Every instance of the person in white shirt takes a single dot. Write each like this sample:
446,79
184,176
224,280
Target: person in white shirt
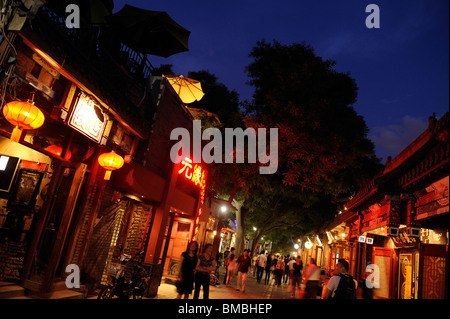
348,287
311,278
261,262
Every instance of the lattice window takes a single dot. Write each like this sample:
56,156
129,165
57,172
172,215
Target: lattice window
433,281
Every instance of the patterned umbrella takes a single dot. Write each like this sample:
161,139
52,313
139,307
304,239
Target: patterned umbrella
189,90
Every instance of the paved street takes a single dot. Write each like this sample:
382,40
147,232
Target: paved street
253,290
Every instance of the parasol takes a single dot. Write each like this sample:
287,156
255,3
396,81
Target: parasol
189,90
149,32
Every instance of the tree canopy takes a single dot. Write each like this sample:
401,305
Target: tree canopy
320,134
324,152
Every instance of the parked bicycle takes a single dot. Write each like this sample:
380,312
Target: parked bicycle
139,282
125,284
214,278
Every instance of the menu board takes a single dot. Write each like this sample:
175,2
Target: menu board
12,257
25,189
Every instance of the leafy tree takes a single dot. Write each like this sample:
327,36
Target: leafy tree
218,99
324,152
320,134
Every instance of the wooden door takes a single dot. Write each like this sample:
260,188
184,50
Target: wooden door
54,223
408,273
384,259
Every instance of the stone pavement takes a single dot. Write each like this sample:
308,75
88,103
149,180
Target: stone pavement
254,290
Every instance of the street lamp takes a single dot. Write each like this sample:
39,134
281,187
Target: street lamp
223,209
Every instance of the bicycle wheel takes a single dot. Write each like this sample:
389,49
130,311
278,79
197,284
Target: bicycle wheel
105,293
139,290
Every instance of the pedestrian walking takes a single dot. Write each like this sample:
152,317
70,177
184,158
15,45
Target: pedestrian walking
188,262
268,269
342,285
260,264
225,264
244,265
231,268
279,271
206,264
274,268
311,279
254,268
291,263
286,269
296,275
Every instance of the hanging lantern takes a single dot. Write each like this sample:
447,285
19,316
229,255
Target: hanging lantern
23,115
110,161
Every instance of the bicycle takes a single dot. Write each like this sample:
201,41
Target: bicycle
118,286
139,282
214,278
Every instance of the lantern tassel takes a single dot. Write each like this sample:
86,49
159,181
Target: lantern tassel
107,175
16,134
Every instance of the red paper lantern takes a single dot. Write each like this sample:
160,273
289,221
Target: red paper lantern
23,115
110,161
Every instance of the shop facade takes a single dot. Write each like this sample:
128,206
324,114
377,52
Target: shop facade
58,208
53,186
398,223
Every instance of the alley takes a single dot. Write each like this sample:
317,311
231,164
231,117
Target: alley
254,290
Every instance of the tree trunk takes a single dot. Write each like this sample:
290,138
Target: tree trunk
239,247
255,241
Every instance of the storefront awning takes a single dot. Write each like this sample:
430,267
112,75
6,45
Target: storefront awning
135,179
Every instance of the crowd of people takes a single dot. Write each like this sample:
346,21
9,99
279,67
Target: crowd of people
301,281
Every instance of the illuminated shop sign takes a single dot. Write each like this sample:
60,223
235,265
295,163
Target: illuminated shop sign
85,118
195,174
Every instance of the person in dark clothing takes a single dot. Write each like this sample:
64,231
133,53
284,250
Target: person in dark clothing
245,263
268,269
296,275
187,265
225,264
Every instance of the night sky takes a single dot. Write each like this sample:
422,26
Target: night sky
401,69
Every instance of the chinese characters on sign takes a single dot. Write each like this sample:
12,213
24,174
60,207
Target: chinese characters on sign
85,119
197,175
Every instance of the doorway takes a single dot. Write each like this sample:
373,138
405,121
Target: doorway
179,239
408,274
55,222
384,259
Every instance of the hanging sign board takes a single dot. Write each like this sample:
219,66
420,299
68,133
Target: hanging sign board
85,119
403,240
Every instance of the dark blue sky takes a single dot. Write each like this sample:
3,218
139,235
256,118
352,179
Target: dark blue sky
402,68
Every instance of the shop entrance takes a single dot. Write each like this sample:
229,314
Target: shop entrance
54,224
384,259
408,274
179,238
